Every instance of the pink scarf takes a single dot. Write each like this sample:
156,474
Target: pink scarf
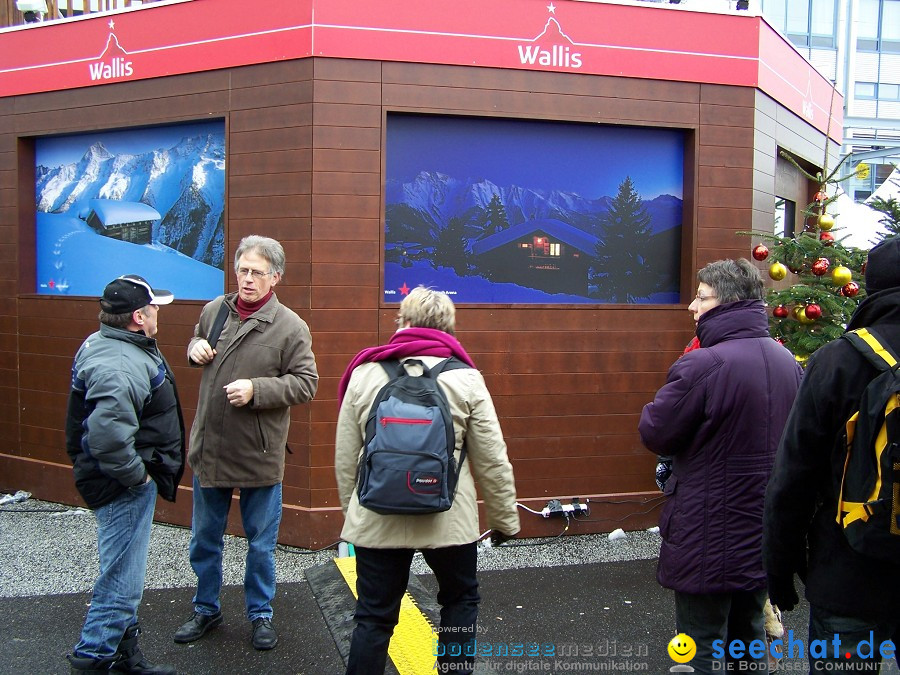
407,342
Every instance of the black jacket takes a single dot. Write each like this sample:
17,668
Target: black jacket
801,501
124,419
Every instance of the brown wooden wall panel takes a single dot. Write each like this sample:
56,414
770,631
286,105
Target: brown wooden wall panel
283,229
360,138
272,95
280,117
304,165
271,140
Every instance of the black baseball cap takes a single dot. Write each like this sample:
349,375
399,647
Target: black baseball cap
130,292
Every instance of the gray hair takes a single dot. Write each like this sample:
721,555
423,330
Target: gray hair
427,308
733,280
266,247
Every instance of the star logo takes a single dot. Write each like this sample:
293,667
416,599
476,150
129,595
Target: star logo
112,24
551,8
404,289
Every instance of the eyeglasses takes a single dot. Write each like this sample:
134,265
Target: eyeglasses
703,298
256,274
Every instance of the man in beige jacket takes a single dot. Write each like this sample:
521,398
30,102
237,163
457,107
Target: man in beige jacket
385,543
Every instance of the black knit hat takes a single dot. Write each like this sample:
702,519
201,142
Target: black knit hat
130,292
883,266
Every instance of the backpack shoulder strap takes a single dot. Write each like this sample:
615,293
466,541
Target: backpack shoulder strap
392,367
867,342
451,363
218,324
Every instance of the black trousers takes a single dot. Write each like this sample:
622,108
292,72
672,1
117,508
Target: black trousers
382,575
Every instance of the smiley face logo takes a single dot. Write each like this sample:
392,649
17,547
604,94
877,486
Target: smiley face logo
682,648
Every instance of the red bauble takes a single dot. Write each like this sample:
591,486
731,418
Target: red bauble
760,252
781,312
826,238
820,266
820,197
850,290
813,312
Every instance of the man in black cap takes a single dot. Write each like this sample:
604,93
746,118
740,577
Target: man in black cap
125,437
852,597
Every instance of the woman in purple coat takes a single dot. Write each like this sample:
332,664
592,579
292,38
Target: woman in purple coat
720,415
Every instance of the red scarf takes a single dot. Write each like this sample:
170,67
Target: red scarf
692,345
246,309
407,342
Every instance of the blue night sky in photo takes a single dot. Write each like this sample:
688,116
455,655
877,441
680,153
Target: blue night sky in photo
589,160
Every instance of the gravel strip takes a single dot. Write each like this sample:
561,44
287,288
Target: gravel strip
48,549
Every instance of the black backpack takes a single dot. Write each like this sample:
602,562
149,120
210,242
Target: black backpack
869,502
407,465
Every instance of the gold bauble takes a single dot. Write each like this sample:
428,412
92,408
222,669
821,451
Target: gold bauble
841,275
777,271
826,222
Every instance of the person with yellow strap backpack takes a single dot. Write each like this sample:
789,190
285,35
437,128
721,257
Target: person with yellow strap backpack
869,500
831,501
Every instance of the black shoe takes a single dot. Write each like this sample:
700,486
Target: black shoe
264,635
197,626
130,658
82,665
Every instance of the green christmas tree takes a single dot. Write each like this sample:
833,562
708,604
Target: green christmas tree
891,219
826,277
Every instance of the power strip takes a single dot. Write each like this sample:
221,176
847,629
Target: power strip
556,508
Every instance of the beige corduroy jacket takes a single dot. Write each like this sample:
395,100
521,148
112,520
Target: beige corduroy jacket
474,419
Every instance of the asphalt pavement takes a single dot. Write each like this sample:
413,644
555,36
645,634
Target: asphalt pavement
579,603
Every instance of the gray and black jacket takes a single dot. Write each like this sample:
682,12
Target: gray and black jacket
124,419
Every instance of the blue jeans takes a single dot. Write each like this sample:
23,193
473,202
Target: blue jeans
823,625
260,516
723,616
123,537
382,575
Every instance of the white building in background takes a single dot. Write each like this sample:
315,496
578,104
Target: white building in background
855,43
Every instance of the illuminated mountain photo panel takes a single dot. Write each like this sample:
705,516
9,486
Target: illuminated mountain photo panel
520,211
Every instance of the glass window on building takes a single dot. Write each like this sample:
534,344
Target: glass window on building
890,26
878,26
822,23
808,23
889,92
865,90
867,25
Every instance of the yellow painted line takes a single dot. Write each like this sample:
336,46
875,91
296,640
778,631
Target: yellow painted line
412,645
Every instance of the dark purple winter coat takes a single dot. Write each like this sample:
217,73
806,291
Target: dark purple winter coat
720,415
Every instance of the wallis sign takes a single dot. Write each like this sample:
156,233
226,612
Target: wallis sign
662,42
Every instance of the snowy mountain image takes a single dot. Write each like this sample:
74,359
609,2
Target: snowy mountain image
179,172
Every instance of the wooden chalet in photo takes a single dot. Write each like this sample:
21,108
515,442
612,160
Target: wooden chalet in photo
127,221
547,254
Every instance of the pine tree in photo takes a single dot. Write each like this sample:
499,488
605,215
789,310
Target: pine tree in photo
451,247
497,219
620,271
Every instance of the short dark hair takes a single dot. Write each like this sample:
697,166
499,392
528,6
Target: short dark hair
119,320
733,280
